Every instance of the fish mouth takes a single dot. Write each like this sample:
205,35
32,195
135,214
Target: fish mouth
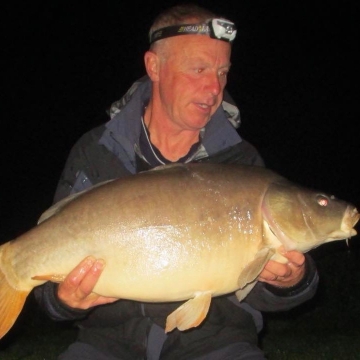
351,218
346,231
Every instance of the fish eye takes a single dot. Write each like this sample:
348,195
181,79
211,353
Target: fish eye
322,200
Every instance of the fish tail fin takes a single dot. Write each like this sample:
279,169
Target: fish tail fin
11,303
189,314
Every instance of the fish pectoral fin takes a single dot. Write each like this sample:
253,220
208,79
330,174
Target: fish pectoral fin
254,268
190,314
52,277
242,293
247,278
11,303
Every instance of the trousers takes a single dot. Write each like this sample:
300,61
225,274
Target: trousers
237,351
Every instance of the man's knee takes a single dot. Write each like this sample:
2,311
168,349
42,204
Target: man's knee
83,351
236,351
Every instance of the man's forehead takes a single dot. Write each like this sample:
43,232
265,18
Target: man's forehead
200,49
197,44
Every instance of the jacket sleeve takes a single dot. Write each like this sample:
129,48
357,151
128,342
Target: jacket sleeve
265,297
46,297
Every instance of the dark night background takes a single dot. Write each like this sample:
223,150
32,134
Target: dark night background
293,77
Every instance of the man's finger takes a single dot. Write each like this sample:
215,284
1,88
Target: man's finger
90,279
74,278
295,257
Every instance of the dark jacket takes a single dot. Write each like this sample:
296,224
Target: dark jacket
122,328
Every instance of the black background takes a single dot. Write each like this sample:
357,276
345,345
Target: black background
293,77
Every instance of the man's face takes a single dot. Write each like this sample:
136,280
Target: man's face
192,79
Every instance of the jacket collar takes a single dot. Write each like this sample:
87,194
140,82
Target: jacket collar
123,129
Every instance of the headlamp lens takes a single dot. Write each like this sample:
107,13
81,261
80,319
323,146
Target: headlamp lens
223,29
219,29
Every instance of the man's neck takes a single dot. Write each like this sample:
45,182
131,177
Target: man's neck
172,141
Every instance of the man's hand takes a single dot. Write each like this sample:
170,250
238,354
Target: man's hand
76,290
284,275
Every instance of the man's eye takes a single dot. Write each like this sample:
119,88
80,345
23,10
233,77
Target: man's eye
224,73
199,70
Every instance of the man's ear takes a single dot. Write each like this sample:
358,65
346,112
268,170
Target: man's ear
152,65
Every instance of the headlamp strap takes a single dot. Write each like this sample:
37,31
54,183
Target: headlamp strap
219,29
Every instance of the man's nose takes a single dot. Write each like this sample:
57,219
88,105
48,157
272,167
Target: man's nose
213,84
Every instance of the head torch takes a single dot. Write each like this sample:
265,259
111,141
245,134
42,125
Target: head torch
219,29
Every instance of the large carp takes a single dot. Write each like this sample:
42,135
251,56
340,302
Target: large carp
178,232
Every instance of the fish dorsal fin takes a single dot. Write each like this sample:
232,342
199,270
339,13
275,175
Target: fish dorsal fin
190,314
248,276
54,209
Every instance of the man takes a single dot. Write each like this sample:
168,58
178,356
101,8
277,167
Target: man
177,113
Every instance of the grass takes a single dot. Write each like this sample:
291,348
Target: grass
326,327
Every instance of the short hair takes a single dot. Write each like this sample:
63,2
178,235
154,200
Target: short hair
181,14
